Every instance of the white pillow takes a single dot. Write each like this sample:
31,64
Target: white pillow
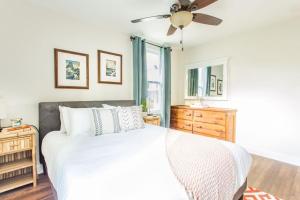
109,106
80,121
105,121
64,118
130,117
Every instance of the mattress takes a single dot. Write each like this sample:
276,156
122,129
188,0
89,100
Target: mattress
129,165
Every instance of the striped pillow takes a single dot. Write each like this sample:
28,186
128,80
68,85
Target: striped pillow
131,118
105,121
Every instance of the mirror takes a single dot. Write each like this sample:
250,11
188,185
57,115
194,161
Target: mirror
207,80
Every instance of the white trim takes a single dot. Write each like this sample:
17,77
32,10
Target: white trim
286,158
155,51
219,61
152,49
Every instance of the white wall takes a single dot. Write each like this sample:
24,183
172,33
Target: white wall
28,36
176,77
264,85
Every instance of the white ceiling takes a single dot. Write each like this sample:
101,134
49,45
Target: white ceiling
238,16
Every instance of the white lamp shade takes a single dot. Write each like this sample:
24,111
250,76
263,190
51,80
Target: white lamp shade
3,114
181,19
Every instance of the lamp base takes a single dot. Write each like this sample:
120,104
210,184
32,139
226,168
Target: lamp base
1,128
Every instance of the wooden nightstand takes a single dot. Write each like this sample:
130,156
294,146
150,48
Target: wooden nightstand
17,157
154,120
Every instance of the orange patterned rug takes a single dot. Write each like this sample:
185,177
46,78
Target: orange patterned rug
255,194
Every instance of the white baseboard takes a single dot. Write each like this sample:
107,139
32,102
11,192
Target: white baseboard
293,160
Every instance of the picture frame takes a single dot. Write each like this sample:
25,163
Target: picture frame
71,69
213,83
110,67
219,87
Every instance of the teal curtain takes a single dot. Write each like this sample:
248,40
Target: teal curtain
193,76
140,84
166,89
208,81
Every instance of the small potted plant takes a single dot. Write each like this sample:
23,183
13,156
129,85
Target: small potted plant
16,122
144,107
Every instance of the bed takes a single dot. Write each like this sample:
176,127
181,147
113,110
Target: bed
129,165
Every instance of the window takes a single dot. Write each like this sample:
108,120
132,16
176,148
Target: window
154,77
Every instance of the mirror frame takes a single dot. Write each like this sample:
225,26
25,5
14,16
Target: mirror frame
202,64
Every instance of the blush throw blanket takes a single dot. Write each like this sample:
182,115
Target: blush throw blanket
203,166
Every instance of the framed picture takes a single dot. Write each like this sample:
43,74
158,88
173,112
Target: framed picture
71,69
220,87
109,67
213,83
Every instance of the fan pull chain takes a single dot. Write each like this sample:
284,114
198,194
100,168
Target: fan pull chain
181,41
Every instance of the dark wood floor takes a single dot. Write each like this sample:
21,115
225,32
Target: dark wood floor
279,179
41,192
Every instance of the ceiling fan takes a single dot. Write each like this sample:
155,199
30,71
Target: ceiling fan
181,15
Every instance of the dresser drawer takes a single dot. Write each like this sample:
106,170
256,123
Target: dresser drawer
153,121
209,129
210,117
15,144
182,114
182,124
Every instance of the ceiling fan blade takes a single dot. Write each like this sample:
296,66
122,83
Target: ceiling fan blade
150,18
206,19
185,3
171,30
198,4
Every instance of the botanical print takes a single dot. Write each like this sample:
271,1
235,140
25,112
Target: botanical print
111,68
220,87
72,70
213,83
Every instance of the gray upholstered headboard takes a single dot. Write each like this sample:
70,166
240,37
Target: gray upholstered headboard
49,119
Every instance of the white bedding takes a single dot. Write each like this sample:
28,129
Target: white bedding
131,165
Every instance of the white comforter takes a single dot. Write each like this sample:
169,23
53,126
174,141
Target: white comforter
130,165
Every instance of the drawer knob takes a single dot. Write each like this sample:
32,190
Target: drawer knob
199,127
199,116
188,125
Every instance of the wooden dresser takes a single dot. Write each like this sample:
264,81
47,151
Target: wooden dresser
212,122
17,158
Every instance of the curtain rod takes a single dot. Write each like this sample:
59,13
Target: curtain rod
132,37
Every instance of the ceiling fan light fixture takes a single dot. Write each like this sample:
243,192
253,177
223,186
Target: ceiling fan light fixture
181,19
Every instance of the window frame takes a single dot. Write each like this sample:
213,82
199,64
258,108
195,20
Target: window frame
156,51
